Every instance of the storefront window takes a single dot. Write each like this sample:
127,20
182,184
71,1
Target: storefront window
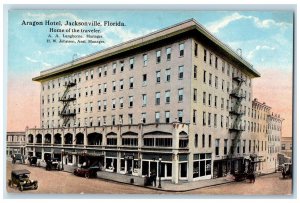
202,165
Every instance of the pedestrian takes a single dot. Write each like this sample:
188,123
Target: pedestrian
154,178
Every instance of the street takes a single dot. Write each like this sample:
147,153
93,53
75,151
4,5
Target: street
58,182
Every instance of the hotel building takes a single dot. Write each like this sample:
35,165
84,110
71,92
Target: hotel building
178,98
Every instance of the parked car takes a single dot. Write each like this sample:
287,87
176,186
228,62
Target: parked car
33,161
20,179
87,172
17,157
52,164
287,169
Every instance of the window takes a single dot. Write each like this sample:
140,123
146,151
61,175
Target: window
225,146
196,140
210,79
203,141
99,72
104,105
244,146
181,49
144,79
196,49
114,68
99,105
91,106
216,99
228,84
157,117
114,86
131,101
99,121
144,117
194,116
144,96
180,115
180,95
221,121
167,96
216,62
209,99
131,62
121,66
121,102
167,116
168,75
222,103
113,103
157,98
91,121
223,84
282,146
158,56
209,117
99,88
216,82
180,72
157,76
204,98
105,70
249,146
92,74
168,54
204,118
195,72
204,76
145,57
105,87
210,58
217,146
195,95
86,75
130,118
223,66
131,83
121,84
209,141
215,120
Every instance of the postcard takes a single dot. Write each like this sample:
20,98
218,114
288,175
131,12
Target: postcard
149,102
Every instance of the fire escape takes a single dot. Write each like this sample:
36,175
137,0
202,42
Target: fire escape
236,112
66,114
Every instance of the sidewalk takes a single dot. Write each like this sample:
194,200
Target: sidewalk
167,185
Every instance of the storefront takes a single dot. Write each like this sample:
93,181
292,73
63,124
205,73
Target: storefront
111,162
202,166
150,164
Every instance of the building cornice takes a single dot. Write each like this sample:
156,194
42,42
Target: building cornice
160,35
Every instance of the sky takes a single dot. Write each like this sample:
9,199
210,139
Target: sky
266,40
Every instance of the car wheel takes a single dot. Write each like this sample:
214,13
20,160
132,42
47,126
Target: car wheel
21,188
87,175
35,186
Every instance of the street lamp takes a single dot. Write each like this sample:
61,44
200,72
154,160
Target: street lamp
159,172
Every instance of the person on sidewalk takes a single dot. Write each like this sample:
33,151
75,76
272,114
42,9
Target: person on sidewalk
154,178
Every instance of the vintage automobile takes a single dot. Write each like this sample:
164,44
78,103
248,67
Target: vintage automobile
52,164
87,172
17,157
33,161
20,179
287,169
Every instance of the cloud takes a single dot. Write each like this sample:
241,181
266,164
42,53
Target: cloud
216,26
258,48
31,60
